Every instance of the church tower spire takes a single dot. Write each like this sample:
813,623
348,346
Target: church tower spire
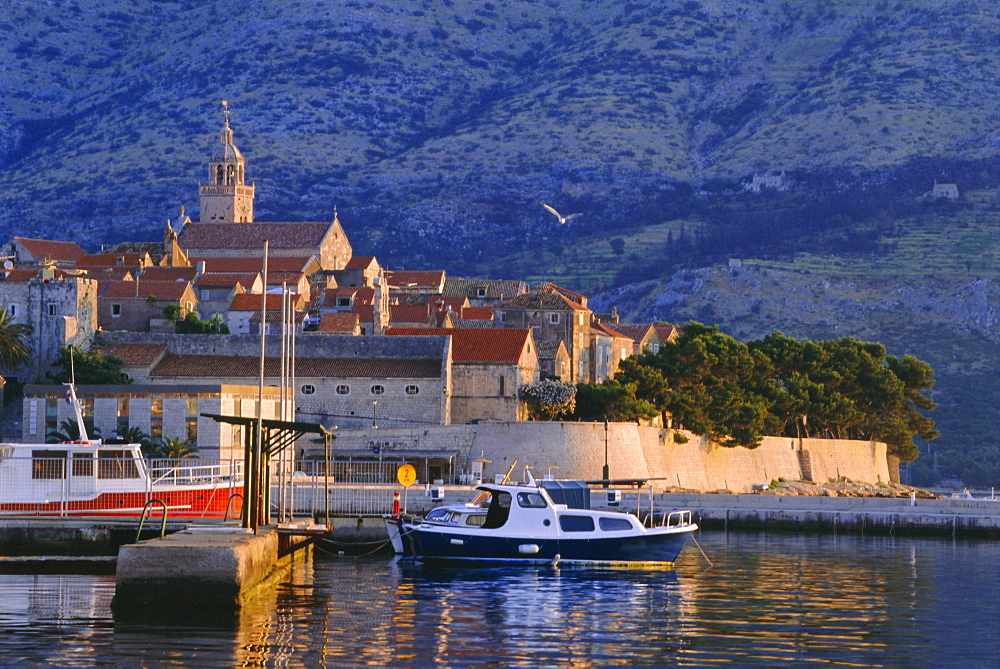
226,199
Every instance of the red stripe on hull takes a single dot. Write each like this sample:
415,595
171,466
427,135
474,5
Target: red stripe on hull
189,503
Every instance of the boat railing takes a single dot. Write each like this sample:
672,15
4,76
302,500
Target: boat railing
669,519
188,472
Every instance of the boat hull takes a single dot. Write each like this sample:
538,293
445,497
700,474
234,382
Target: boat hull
648,547
191,502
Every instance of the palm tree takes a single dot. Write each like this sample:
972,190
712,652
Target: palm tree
14,348
135,435
70,431
174,448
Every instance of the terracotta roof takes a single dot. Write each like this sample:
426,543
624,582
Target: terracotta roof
637,332
114,259
606,330
342,322
476,344
251,236
409,313
361,294
28,273
568,294
168,273
274,316
108,273
53,250
134,354
250,262
478,313
666,331
549,349
164,290
251,301
544,300
234,366
415,279
226,279
360,262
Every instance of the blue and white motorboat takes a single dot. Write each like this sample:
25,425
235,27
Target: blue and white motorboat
523,524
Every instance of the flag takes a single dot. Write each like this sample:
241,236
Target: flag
69,396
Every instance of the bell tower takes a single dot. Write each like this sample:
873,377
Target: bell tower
226,199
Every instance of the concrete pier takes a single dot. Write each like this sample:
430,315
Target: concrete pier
211,568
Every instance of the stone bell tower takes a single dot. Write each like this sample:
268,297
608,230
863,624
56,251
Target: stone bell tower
226,199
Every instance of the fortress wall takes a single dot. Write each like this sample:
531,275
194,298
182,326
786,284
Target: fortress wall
577,451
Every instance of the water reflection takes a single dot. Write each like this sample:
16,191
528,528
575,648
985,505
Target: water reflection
785,600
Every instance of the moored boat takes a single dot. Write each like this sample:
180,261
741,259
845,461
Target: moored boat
88,477
522,524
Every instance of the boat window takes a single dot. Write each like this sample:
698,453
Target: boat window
48,464
437,514
615,524
499,510
83,464
576,523
476,519
116,465
530,500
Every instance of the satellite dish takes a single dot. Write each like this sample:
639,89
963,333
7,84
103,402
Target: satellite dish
7,264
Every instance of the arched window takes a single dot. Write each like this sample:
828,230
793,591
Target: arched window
378,390
218,175
308,389
230,175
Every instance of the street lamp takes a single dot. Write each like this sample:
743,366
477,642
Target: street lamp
374,404
607,475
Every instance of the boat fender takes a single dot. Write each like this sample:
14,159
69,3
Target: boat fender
527,549
457,542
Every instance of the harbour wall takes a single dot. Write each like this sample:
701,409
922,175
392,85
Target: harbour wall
578,451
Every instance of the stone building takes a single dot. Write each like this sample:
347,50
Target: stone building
554,314
488,367
227,227
138,306
349,381
60,308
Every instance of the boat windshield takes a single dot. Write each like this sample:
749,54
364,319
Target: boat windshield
498,511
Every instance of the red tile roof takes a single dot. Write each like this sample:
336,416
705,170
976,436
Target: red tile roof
168,274
28,273
342,322
251,236
361,295
476,344
225,279
666,331
233,366
409,313
606,330
477,313
108,273
134,354
543,300
415,279
251,301
164,290
360,262
53,250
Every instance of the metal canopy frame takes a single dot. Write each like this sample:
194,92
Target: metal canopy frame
276,436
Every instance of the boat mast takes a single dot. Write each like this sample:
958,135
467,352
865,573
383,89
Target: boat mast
71,398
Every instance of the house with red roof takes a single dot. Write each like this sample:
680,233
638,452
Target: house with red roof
609,349
359,271
488,366
428,282
643,335
216,290
26,251
341,324
138,305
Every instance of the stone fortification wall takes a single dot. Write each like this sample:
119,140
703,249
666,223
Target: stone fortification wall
577,451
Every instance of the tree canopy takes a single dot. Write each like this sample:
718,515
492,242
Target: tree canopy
710,383
90,367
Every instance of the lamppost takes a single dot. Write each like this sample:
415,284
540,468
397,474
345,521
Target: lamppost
606,470
374,404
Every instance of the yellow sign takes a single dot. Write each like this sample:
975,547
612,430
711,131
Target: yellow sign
406,475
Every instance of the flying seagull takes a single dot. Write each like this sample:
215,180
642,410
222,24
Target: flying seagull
562,219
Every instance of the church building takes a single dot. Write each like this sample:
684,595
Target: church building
227,227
